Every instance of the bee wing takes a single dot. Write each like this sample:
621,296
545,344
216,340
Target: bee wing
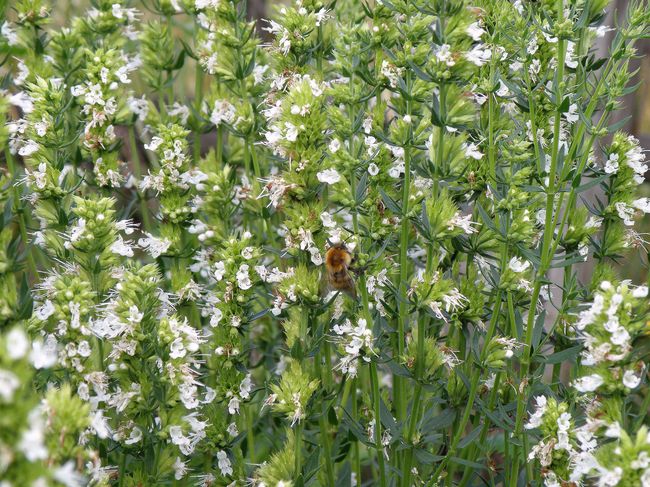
324,286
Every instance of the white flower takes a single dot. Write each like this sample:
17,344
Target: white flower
588,383
610,478
611,166
17,343
45,311
620,336
84,348
180,469
134,437
572,115
373,169
9,34
334,146
465,223
246,387
642,204
630,380
601,30
233,405
444,55
202,4
32,441
139,107
471,150
44,355
354,340
329,176
29,148
100,425
9,382
503,90
177,349
243,277
23,101
181,111
232,429
475,31
570,59
518,265
536,418
219,270
625,213
258,73
479,55
224,463
68,475
120,247
292,132
23,73
154,144
223,111
155,246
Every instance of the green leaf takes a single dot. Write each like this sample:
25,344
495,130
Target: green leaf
618,125
467,463
390,203
442,421
568,354
470,437
362,186
487,220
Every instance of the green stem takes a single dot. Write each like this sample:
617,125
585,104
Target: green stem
298,452
546,243
440,169
356,455
20,212
484,431
460,428
198,101
491,139
219,149
137,169
376,401
250,432
322,420
419,374
403,305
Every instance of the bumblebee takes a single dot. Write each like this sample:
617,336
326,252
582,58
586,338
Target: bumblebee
338,262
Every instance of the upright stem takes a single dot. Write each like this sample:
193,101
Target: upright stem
298,452
20,212
376,401
137,169
322,420
440,168
419,374
356,456
546,243
403,317
198,101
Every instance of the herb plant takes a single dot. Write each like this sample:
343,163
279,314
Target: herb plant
175,182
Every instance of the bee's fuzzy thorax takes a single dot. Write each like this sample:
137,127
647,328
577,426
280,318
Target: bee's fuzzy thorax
337,256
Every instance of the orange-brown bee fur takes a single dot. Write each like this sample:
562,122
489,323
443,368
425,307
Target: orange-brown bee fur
337,262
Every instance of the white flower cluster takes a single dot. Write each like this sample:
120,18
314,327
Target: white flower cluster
597,452
99,96
607,328
170,146
356,342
